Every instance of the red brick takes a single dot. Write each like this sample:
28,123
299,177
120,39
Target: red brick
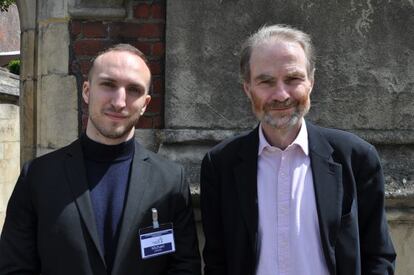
157,86
136,30
155,105
94,30
158,11
141,11
144,122
155,67
150,30
84,65
158,49
144,47
75,27
157,122
88,47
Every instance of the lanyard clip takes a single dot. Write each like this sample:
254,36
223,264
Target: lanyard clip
155,223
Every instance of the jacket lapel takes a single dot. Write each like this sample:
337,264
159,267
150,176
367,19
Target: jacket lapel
134,202
76,174
246,184
327,179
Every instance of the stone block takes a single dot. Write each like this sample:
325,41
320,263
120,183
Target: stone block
9,112
9,130
401,224
9,170
53,48
27,120
57,117
53,9
11,151
27,15
2,151
27,53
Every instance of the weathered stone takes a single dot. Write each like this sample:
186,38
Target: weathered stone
375,93
27,13
27,55
9,112
10,170
9,130
57,105
148,138
53,48
27,120
9,83
52,9
401,223
12,152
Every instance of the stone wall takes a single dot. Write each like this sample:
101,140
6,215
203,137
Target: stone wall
364,83
9,137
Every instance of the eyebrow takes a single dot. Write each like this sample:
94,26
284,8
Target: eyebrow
112,80
262,77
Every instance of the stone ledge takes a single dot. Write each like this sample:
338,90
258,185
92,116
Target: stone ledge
95,13
377,137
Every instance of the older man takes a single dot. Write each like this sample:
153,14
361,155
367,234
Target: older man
103,204
291,197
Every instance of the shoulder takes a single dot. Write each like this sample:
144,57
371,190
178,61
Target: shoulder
337,137
55,157
342,142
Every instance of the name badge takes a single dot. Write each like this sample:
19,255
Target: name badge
157,239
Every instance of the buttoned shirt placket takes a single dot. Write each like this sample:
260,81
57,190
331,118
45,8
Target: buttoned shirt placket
283,214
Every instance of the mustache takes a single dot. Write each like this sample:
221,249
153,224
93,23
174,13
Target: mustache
280,104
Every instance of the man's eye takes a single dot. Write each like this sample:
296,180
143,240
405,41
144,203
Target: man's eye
135,90
108,84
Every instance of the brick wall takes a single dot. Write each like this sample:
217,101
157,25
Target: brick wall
144,28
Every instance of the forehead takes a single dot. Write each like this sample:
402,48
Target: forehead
119,64
276,53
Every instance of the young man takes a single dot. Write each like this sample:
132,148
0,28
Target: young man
291,197
86,208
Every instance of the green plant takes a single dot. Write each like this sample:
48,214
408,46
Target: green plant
5,4
14,66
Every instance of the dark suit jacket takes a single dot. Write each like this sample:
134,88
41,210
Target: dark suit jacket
349,192
50,226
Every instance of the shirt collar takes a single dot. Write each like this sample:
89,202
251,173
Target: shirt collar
301,140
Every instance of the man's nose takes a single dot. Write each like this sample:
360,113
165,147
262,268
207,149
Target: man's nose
280,92
119,99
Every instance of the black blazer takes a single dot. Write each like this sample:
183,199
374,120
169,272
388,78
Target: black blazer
50,226
349,192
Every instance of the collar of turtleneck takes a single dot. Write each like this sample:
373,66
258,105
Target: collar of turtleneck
99,152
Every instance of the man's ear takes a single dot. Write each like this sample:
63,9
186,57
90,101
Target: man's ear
147,101
247,89
312,80
85,91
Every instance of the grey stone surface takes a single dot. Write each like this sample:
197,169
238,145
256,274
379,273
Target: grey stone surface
57,116
365,71
364,76
9,83
53,48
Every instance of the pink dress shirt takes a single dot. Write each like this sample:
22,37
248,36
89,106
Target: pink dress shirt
288,235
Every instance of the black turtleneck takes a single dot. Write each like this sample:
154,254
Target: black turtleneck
107,169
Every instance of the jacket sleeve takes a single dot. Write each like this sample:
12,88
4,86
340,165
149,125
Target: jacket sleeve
186,259
214,249
377,251
18,247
